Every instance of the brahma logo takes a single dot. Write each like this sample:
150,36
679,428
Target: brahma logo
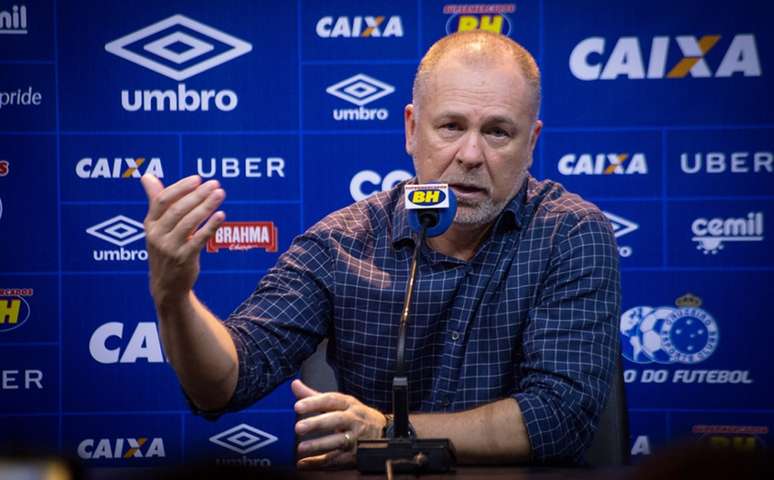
603,164
359,27
721,162
119,231
589,59
372,177
118,167
121,448
360,90
244,236
5,168
711,233
14,22
490,17
14,308
106,344
187,48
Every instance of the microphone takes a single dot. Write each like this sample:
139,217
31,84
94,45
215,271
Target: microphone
430,209
432,205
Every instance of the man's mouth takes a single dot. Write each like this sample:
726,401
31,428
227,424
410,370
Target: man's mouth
467,189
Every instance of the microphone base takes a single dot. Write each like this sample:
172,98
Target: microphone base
420,455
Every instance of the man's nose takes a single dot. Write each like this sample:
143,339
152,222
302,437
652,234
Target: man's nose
470,155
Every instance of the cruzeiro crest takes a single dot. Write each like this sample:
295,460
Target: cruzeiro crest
686,334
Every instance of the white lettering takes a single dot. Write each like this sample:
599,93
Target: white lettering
143,344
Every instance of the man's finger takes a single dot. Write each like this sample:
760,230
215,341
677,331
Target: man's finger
328,443
321,403
325,422
151,185
180,208
197,241
301,390
186,226
161,201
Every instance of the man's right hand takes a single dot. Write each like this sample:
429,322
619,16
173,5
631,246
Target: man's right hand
171,233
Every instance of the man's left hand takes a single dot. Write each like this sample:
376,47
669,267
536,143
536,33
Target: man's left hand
341,420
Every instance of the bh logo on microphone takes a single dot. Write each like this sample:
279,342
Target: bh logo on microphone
427,196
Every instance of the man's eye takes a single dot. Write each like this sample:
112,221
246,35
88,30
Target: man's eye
499,132
450,126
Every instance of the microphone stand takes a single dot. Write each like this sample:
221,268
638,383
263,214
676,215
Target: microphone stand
403,452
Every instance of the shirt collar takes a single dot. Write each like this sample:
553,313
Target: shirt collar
512,215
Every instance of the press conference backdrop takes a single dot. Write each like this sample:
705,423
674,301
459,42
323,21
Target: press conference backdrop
660,112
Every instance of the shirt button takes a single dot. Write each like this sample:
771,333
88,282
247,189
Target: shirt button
455,336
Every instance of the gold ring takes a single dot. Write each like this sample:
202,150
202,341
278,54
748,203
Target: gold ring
349,441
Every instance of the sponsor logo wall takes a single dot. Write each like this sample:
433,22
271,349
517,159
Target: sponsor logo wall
659,114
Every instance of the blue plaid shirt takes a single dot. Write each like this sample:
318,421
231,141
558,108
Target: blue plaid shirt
532,315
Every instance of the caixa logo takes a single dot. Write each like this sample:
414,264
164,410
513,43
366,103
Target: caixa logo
119,231
118,167
603,164
121,448
179,48
592,59
110,343
367,182
359,27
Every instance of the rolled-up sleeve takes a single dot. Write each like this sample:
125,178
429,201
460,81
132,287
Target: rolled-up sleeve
569,341
280,324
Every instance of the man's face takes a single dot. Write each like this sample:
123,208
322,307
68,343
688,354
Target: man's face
474,129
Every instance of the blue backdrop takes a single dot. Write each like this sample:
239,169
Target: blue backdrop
659,112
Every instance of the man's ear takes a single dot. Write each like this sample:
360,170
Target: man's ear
535,134
410,126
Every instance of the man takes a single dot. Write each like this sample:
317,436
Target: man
512,335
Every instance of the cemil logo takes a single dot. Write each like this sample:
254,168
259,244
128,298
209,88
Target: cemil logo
179,48
712,233
243,439
5,168
107,344
371,177
244,236
360,90
121,448
603,164
359,27
14,308
490,17
128,167
248,167
721,162
589,59
14,22
119,231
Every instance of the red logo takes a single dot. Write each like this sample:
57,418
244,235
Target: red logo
244,236
4,168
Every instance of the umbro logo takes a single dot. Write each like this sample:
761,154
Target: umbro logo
119,230
360,89
178,47
243,439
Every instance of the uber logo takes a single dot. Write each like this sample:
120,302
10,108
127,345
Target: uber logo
249,167
21,379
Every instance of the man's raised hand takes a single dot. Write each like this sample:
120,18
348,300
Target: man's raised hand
173,236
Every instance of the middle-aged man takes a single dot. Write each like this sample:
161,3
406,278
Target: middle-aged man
512,337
